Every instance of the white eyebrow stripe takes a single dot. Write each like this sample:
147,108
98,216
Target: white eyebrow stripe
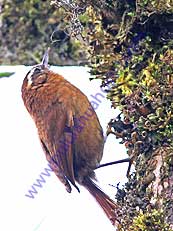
31,73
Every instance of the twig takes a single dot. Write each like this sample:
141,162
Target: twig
114,162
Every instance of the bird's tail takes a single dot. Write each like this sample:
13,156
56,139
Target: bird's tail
107,204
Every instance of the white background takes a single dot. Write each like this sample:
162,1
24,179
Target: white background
22,160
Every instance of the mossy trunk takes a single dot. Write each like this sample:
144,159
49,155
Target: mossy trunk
131,50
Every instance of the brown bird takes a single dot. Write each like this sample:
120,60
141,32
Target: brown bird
69,130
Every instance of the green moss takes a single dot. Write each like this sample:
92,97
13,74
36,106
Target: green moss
6,74
150,222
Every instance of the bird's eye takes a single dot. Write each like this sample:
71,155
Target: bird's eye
37,71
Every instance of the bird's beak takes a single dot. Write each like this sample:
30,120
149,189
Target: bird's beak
45,60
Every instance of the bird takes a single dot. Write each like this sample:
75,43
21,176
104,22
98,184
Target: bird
69,131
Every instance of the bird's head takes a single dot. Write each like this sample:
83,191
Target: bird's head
37,75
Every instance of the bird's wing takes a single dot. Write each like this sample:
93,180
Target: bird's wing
59,126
